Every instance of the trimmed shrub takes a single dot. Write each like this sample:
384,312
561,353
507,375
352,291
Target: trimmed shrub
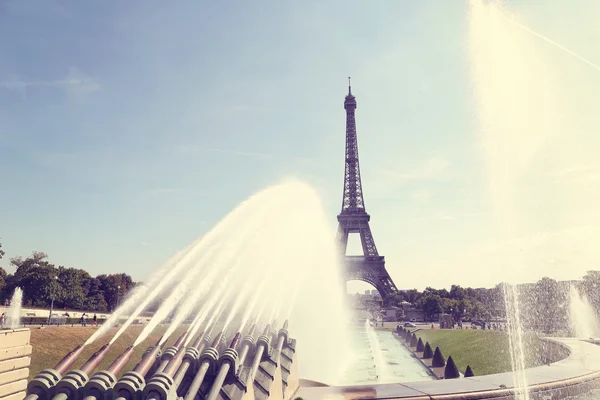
438,358
413,340
427,352
420,345
407,336
469,372
451,371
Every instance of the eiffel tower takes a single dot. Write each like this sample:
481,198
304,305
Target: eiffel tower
370,267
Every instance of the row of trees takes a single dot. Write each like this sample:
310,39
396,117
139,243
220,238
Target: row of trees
462,303
70,288
543,306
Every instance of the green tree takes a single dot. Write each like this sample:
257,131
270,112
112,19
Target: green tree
73,282
412,296
457,293
3,276
114,288
37,277
95,296
2,253
432,304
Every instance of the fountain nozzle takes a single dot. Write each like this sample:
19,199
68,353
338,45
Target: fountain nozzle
43,385
103,381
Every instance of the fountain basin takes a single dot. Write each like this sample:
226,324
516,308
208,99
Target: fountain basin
576,374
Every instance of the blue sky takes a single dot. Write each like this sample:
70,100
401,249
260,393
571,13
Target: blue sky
127,129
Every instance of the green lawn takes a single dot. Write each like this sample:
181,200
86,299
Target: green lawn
50,345
487,352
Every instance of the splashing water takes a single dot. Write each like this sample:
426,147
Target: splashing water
515,339
275,249
582,316
379,360
13,317
517,107
251,306
138,296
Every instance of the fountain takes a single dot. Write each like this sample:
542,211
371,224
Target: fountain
582,317
381,368
220,284
13,317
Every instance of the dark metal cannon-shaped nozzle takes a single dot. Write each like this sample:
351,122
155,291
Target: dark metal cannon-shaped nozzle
133,382
103,381
189,358
180,340
167,382
169,353
247,344
69,386
228,365
95,360
262,344
42,386
282,338
68,360
208,360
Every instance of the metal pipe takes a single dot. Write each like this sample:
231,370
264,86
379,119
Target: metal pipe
199,378
161,367
95,359
174,363
181,339
223,371
147,361
117,366
263,342
68,360
246,344
197,382
198,346
218,382
170,353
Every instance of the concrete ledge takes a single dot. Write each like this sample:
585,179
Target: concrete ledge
578,373
15,358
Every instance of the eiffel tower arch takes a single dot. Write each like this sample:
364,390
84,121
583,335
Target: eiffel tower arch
370,267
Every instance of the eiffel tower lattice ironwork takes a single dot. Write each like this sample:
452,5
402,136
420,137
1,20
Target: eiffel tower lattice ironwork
370,267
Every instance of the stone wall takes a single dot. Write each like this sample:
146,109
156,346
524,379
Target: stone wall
15,357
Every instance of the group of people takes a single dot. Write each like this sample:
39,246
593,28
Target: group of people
84,322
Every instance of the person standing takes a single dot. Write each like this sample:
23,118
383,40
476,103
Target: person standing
2,319
95,320
83,319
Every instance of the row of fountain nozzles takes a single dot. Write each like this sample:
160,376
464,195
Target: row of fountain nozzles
177,372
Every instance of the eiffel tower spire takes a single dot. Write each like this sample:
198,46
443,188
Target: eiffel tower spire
352,201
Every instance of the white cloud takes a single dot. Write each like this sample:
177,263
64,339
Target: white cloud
75,84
